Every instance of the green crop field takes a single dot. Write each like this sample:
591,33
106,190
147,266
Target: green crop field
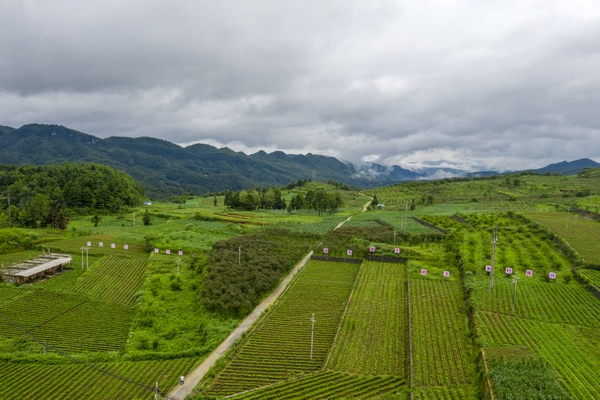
581,233
279,347
96,381
373,337
382,329
440,344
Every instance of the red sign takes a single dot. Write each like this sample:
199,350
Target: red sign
126,247
100,244
156,251
552,275
112,246
397,250
372,249
529,272
349,252
168,251
325,250
180,253
488,268
89,244
423,272
447,274
508,271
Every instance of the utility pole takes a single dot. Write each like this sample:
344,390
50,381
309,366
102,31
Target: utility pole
394,238
239,256
178,260
405,212
312,334
156,392
494,241
515,280
82,249
574,224
87,258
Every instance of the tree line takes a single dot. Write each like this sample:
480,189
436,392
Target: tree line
44,196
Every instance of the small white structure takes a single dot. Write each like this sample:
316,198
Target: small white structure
31,269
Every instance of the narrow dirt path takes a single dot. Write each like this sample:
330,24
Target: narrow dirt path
193,378
181,391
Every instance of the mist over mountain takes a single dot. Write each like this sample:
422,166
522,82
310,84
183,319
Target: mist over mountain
164,168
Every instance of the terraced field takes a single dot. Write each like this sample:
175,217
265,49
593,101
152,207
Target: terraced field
279,347
373,336
39,381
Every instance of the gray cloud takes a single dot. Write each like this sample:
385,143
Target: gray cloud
492,84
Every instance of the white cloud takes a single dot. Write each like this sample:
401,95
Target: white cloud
481,85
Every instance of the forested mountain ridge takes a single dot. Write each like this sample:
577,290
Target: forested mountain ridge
162,167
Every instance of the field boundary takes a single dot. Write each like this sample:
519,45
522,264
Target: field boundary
337,259
427,224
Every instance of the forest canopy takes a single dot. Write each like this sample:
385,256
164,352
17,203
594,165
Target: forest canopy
33,196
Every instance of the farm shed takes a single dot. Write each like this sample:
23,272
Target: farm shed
31,269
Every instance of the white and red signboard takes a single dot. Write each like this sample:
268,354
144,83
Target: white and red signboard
101,244
423,272
180,253
325,250
508,271
168,251
89,244
529,273
156,251
397,250
447,274
372,249
349,252
126,247
488,268
552,275
112,246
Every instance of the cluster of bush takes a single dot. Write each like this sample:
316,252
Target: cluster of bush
241,270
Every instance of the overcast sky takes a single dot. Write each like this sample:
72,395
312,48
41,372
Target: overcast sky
480,84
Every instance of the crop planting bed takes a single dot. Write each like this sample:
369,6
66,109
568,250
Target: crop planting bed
65,281
68,322
592,276
38,381
573,355
116,279
583,235
548,302
444,393
279,347
327,385
439,334
373,337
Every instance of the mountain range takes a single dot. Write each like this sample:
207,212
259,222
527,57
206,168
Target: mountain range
164,168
